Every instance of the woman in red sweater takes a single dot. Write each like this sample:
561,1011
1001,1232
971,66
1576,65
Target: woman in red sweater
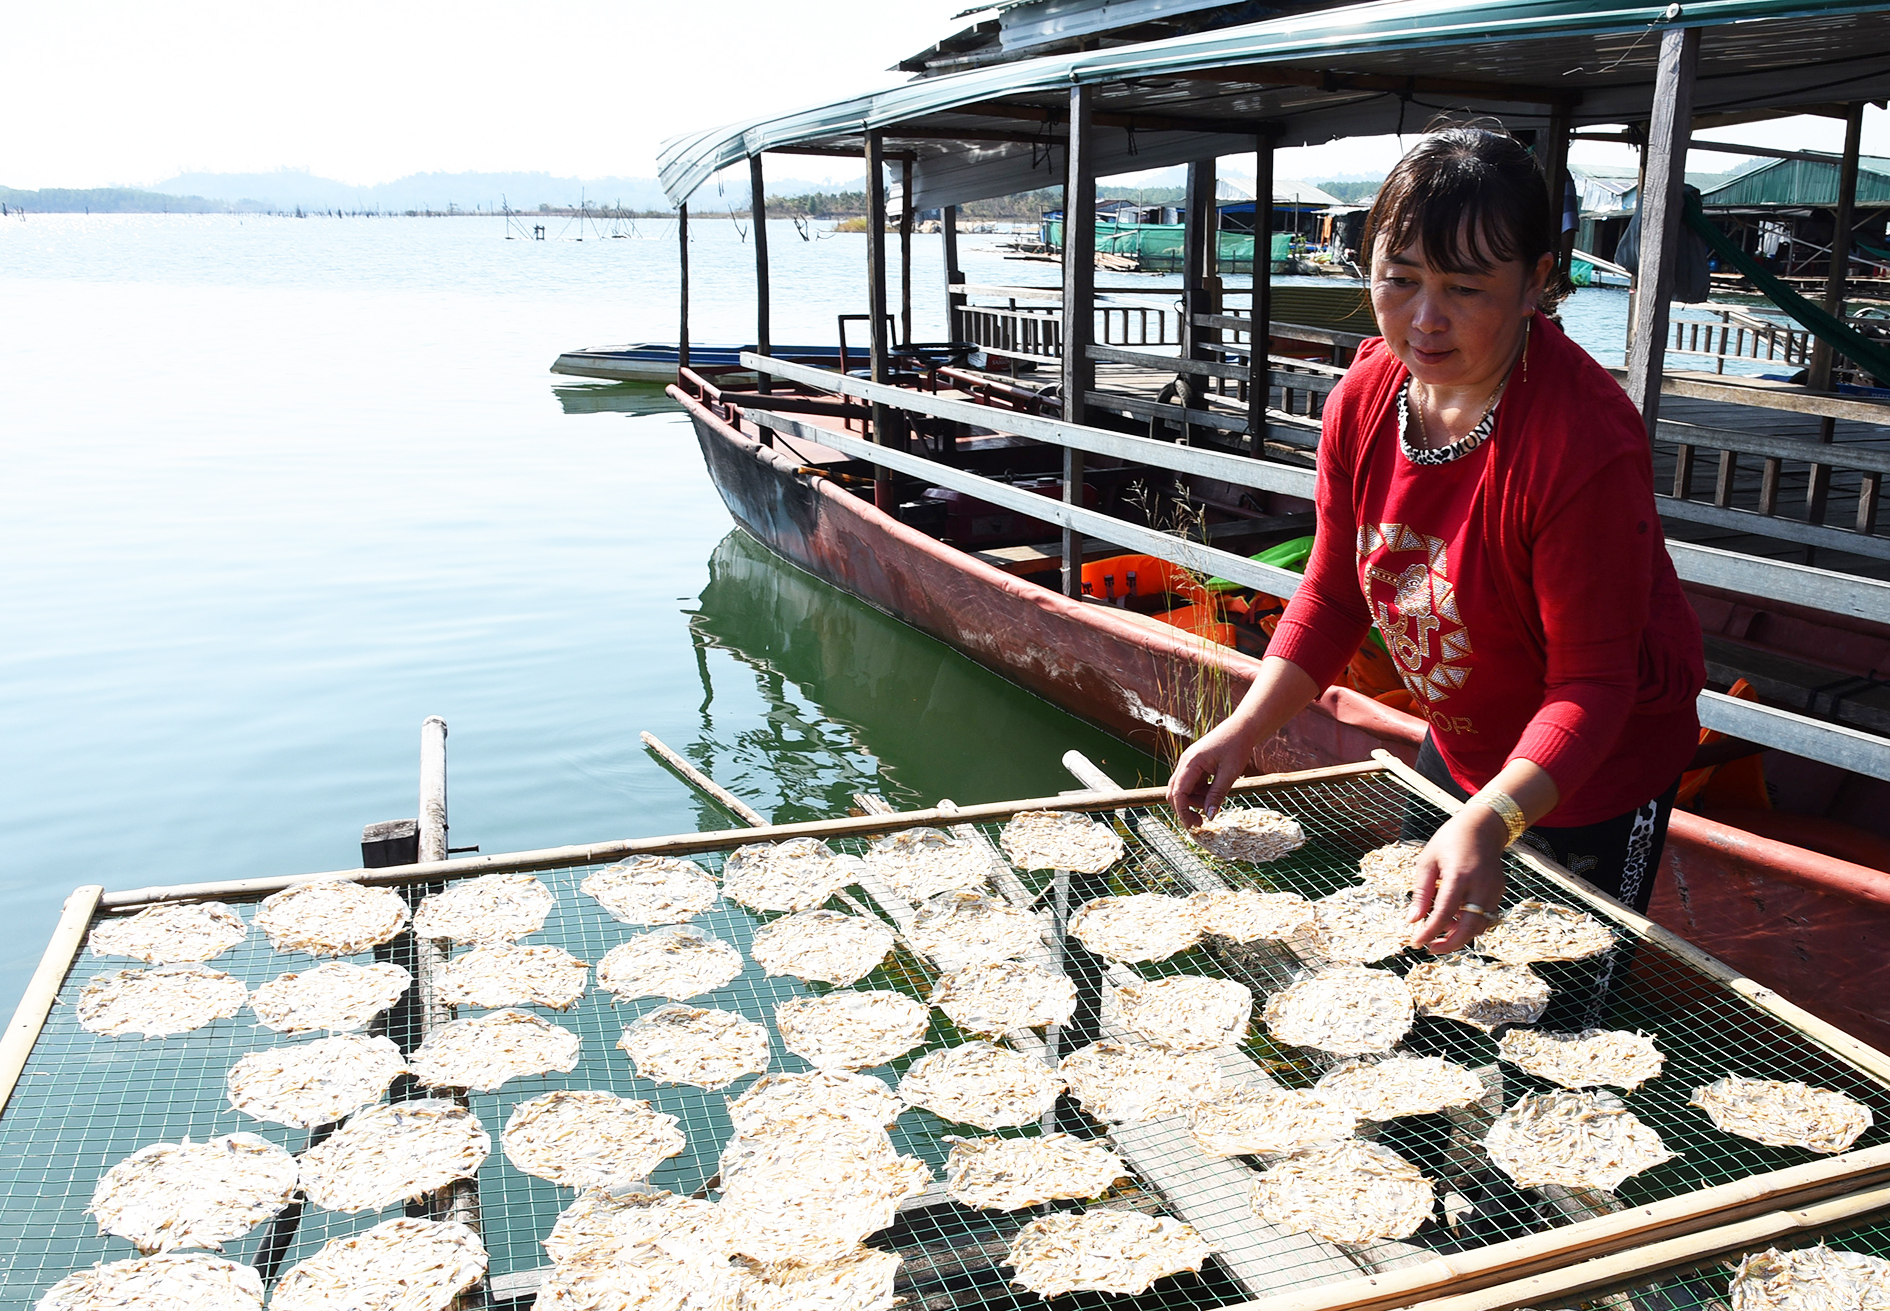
1485,497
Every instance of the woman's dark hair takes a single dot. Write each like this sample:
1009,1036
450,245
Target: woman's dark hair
1472,198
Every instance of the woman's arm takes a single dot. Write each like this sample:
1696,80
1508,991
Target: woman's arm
1208,768
1462,864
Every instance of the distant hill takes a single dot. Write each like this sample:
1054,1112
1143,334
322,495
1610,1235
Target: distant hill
111,200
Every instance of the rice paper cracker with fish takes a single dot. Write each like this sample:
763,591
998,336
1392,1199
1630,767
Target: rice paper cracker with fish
154,1003
1248,915
1009,1174
1400,1085
1574,1140
583,1139
1250,835
822,946
799,874
1589,1059
311,1083
506,974
1782,1114
491,908
1267,1121
1817,1278
699,1046
171,1195
1532,931
406,1264
1103,1251
981,1084
1481,993
1059,839
1360,926
337,995
921,863
1347,1010
957,929
652,890
1349,1192
862,1280
678,962
175,1281
1146,926
393,1152
811,1189
1182,1013
485,1051
849,1030
775,1097
1122,1083
992,999
171,934
331,917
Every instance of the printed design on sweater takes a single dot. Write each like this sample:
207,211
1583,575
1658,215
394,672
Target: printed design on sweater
1405,575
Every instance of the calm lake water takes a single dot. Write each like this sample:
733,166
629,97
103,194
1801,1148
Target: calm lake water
278,489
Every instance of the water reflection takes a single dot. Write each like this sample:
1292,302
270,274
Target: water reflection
614,398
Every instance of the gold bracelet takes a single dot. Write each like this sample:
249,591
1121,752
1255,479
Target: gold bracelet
1506,809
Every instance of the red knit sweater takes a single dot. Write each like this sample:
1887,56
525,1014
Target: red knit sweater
1524,590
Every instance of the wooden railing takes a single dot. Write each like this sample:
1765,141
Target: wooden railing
1735,333
1759,512
1036,333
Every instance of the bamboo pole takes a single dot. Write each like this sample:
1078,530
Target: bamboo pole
42,990
733,804
1079,308
758,216
682,313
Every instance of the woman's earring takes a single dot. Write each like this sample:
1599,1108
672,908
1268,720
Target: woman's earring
1525,346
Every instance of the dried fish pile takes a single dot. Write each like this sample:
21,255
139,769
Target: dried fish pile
1810,1279
1588,1059
505,974
1248,916
483,1052
679,961
1573,1139
862,1280
1350,1192
1125,1084
810,1189
1059,839
1781,1114
850,1030
331,917
651,890
1147,926
642,1252
822,946
1479,992
337,996
393,1151
171,935
978,1083
825,1092
190,1194
491,908
313,1083
968,928
1183,1013
920,863
152,1003
1542,931
1391,869
991,999
1400,1085
1360,926
1266,1121
798,874
589,1139
695,1045
1008,1174
1347,1010
1103,1251
176,1281
399,1265
1255,836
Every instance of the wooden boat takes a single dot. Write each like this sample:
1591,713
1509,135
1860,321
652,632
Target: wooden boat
651,361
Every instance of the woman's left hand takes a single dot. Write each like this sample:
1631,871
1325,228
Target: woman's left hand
1462,866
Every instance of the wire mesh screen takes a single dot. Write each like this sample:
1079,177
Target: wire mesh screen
86,1101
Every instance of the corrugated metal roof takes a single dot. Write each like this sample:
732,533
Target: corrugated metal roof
1802,182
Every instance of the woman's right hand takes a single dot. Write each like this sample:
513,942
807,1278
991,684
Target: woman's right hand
1208,769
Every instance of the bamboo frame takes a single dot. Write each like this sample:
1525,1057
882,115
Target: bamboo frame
29,1017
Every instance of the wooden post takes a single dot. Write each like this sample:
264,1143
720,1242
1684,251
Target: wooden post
682,325
876,300
1818,374
954,276
1552,150
1260,340
905,250
758,216
1666,162
433,789
1079,308
1199,237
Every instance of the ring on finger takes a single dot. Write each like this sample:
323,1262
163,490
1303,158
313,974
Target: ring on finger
1475,909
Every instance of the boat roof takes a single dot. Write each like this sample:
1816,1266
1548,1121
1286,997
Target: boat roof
1388,66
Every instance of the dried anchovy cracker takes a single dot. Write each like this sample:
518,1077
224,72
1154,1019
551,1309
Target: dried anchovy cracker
1102,1251
1573,1139
1059,839
652,890
1360,926
311,1083
1255,836
1535,930
822,946
1008,1174
798,874
981,1084
1261,1120
1391,869
1246,915
703,1047
406,1264
584,1139
187,1194
1781,1114
825,1092
1346,1009
1121,1083
171,935
491,908
153,1003
862,1280
336,995
1349,1192
988,1000
599,1220
851,1030
810,1189
1588,1059
920,863
679,961
331,917
1146,926
483,1052
1481,993
1183,1013
393,1151
1400,1085
506,974
1816,1278
175,1281
968,928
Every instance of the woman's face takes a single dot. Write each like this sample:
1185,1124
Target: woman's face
1453,330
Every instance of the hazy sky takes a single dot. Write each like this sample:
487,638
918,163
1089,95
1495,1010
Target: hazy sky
132,93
